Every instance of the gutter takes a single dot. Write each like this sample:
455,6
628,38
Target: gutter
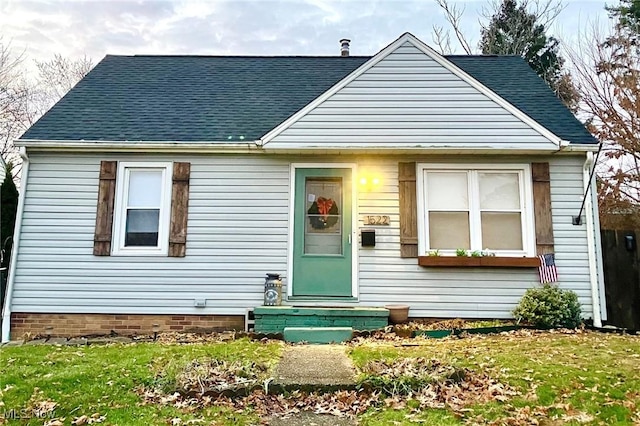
260,146
579,147
594,257
201,146
6,311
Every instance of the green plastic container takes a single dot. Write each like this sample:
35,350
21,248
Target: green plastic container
435,334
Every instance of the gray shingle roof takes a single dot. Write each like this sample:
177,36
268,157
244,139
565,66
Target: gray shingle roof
235,98
514,80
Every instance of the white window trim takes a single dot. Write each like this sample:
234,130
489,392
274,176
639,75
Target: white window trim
119,214
526,192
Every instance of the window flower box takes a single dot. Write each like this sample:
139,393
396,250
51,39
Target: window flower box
478,262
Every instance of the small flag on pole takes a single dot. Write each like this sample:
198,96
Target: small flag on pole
547,269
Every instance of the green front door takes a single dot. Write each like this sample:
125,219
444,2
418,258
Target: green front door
322,233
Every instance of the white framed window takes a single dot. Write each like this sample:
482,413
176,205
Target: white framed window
142,209
475,207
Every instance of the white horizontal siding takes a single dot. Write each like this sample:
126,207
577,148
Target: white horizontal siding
467,292
409,100
237,232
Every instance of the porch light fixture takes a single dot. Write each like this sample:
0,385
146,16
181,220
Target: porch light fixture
369,182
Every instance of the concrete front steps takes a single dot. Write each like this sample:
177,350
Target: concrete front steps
321,335
318,324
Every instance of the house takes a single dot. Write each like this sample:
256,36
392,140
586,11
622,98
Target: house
161,190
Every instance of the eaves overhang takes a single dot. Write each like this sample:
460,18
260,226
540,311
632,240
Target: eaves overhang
253,148
138,146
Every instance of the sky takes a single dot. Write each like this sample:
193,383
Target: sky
240,27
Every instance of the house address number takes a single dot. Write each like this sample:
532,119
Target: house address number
377,220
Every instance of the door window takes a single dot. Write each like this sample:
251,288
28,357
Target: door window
323,217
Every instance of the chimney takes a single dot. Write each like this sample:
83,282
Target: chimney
344,47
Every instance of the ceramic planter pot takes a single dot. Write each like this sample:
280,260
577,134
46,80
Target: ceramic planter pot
398,314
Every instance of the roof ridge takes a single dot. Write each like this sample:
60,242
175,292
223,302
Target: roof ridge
176,56
483,55
244,56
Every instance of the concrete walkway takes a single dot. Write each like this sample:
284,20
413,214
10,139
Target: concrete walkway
320,365
306,418
326,365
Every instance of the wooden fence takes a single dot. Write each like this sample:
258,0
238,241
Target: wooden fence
622,277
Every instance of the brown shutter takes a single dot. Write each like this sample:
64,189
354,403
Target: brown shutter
179,209
104,214
542,207
408,210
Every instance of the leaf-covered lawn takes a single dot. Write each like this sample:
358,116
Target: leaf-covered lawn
100,382
576,378
521,378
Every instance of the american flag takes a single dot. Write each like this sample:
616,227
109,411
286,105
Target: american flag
547,269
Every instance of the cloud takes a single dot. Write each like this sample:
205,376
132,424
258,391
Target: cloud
236,27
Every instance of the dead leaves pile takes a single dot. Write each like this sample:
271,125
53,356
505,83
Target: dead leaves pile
217,376
416,370
171,338
340,403
433,325
432,385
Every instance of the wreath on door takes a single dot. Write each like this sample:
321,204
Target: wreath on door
323,213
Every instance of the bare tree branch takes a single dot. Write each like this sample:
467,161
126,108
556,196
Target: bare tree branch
22,102
441,39
607,72
453,15
14,94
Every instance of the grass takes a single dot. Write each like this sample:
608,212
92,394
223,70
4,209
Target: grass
586,378
407,417
103,379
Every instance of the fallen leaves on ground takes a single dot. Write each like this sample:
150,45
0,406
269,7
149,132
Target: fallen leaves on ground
39,406
434,325
432,385
170,338
216,376
88,420
435,384
340,403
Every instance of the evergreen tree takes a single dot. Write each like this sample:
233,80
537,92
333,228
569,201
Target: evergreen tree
8,208
628,15
513,30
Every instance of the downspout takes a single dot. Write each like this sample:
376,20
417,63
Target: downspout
598,248
591,243
6,311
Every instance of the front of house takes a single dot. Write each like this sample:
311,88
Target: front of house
161,190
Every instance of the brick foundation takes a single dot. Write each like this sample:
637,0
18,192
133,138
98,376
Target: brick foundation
70,325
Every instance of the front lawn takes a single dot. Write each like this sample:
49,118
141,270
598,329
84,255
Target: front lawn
103,382
560,378
516,378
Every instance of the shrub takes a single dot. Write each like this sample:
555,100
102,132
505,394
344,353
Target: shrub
548,306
